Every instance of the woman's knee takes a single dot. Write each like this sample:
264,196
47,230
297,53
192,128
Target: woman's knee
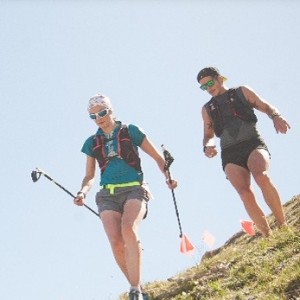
128,229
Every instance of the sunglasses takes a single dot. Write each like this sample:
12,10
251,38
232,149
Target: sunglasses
209,83
100,114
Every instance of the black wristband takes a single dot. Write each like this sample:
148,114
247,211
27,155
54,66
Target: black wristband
84,194
204,148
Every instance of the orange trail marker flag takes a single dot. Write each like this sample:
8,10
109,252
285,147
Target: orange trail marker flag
248,227
208,238
186,247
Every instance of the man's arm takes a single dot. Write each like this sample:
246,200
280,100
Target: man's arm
280,124
209,147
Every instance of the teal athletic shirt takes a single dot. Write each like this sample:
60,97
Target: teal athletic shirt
117,170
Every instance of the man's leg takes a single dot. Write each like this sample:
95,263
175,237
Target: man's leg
258,164
240,178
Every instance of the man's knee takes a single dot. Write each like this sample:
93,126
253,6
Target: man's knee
245,194
262,179
244,190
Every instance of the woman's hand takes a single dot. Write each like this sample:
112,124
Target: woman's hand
79,200
172,184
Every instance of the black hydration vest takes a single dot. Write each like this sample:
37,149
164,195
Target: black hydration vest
126,150
238,108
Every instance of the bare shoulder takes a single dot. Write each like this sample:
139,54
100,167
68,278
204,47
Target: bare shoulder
247,90
251,96
204,112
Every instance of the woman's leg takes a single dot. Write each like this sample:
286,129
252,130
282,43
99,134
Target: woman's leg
134,211
112,225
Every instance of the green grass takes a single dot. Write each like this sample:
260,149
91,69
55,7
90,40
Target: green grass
245,268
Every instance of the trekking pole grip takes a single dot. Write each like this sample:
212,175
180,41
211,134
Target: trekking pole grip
168,158
168,161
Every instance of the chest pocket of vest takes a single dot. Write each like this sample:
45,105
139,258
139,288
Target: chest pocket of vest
126,150
99,150
238,107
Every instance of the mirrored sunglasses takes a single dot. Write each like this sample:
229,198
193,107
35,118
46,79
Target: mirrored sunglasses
209,83
100,114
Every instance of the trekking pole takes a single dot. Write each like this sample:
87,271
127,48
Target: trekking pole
168,161
35,176
186,245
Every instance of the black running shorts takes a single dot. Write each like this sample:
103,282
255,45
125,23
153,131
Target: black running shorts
238,154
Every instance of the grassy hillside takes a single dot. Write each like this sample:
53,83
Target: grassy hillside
244,268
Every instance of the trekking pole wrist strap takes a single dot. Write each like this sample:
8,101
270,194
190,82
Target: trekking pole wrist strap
81,193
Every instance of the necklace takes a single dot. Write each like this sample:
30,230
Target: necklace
111,133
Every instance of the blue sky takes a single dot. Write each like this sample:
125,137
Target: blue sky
145,56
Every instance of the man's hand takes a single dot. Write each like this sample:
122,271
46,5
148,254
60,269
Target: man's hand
210,151
280,124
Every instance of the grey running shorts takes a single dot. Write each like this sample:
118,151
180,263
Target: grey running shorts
107,201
